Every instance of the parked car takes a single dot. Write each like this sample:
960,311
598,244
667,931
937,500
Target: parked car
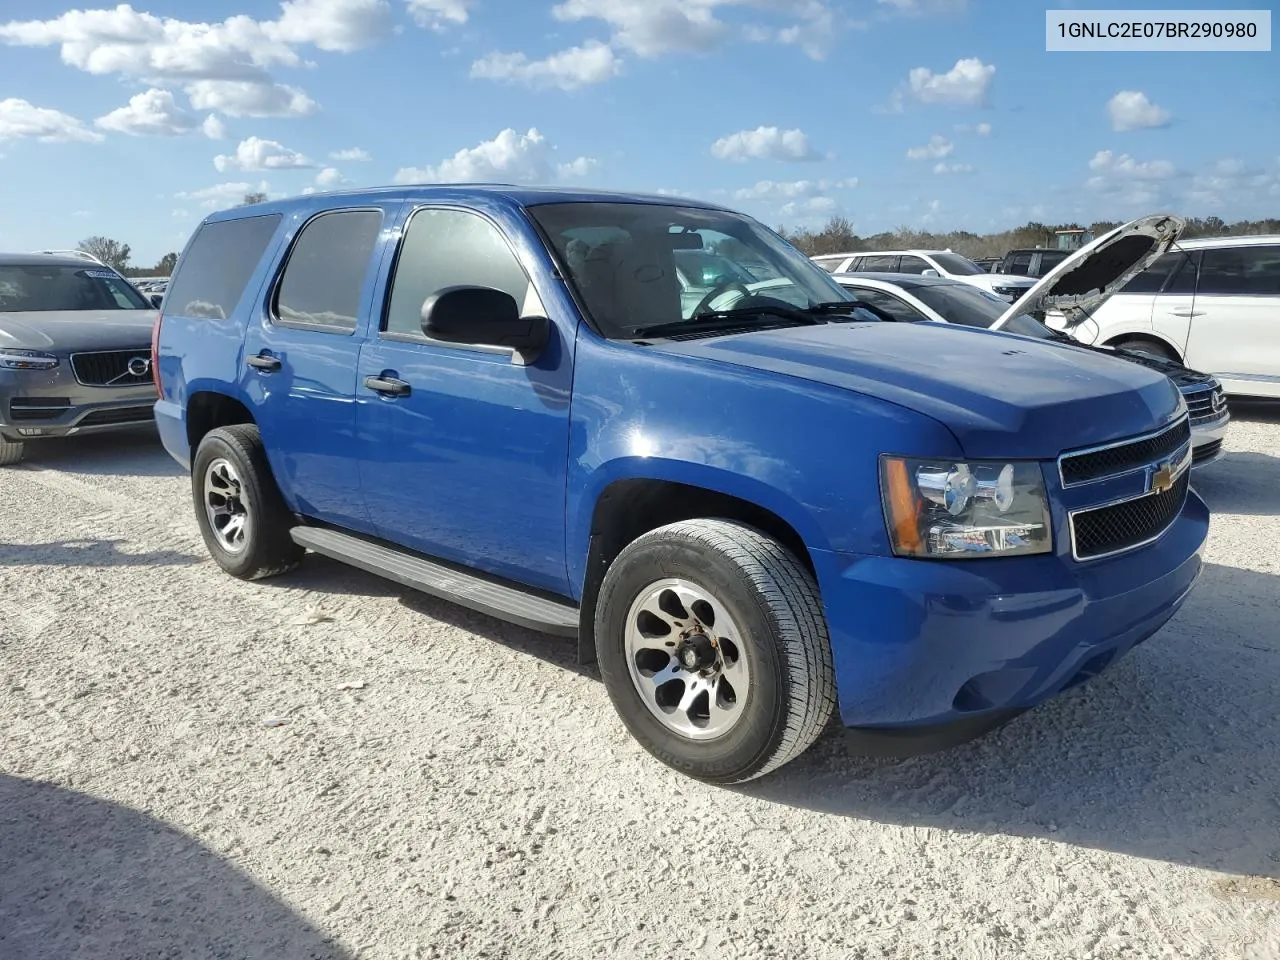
74,350
989,264
917,299
1213,303
1031,263
750,511
929,263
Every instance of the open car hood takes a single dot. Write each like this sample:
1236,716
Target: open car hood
1086,280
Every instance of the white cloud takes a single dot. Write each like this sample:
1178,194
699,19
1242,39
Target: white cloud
352,154
1125,167
439,14
812,207
242,98
510,157
593,62
152,113
577,168
965,84
222,195
21,120
921,8
792,189
337,25
329,177
765,143
255,153
945,168
1131,110
213,127
981,129
937,148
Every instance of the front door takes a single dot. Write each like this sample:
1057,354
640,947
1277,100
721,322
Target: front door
300,356
465,449
1235,330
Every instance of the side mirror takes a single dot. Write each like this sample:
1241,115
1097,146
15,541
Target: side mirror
482,316
157,299
929,272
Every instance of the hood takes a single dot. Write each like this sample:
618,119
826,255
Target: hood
1182,376
1004,279
68,331
1088,278
1000,395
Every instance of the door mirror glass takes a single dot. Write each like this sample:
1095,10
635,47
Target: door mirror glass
485,317
157,299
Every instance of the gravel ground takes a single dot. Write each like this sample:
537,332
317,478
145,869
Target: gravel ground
325,765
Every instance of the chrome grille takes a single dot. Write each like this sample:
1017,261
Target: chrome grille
1124,526
112,368
1125,456
1209,403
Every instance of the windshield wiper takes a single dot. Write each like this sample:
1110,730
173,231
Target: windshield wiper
848,306
725,319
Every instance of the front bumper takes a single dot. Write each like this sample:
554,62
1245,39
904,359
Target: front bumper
921,644
36,404
1206,439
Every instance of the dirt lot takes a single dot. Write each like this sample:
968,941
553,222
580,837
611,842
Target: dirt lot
190,768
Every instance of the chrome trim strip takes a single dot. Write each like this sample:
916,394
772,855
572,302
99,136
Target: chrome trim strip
1182,466
1072,454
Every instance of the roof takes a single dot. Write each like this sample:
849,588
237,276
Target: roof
1197,243
47,260
525,196
904,280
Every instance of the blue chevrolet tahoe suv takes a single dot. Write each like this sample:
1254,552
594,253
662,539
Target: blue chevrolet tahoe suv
752,501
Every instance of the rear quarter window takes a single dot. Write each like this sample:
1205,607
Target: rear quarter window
223,256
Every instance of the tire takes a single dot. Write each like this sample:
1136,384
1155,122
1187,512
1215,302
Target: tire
232,459
754,594
1148,348
11,452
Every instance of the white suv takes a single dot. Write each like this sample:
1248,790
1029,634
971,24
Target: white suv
1213,304
929,263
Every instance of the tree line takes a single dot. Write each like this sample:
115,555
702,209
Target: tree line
838,236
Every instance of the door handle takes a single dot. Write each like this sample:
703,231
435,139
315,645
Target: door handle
388,386
1187,313
263,362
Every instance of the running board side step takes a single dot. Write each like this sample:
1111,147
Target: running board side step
466,589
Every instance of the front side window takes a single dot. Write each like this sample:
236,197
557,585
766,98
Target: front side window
325,274
891,305
623,259
916,265
1152,279
957,265
216,267
449,248
37,288
1240,270
879,265
1183,280
1019,265
962,303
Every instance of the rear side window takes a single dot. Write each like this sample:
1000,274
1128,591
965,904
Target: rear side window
915,265
1019,264
449,248
830,264
889,304
219,263
1240,270
324,276
879,265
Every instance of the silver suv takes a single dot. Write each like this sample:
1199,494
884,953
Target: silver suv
75,350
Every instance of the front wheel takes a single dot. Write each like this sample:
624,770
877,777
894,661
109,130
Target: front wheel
713,646
1147,348
11,452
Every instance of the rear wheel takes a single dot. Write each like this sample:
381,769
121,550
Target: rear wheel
1148,348
713,646
11,452
242,516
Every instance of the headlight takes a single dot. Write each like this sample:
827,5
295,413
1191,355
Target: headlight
26,359
944,509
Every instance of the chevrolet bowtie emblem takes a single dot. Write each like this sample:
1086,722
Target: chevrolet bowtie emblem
1162,479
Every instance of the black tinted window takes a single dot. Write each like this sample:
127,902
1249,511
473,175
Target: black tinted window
449,248
879,265
219,263
1240,270
915,265
889,304
1019,264
962,303
325,274
1184,276
1152,279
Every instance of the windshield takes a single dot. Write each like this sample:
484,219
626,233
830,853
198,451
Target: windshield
957,265
40,288
963,304
628,261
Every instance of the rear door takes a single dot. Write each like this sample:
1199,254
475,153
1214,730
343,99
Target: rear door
1235,325
301,351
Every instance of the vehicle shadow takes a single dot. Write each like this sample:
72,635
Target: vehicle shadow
1255,411
1174,754
86,553
84,877
1242,483
132,452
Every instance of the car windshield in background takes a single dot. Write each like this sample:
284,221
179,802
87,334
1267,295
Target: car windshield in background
37,288
957,265
631,265
972,307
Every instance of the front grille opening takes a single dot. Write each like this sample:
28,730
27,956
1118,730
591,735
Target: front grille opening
110,368
38,408
1097,464
1123,526
102,418
1206,451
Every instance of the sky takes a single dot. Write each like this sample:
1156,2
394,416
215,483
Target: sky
135,121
